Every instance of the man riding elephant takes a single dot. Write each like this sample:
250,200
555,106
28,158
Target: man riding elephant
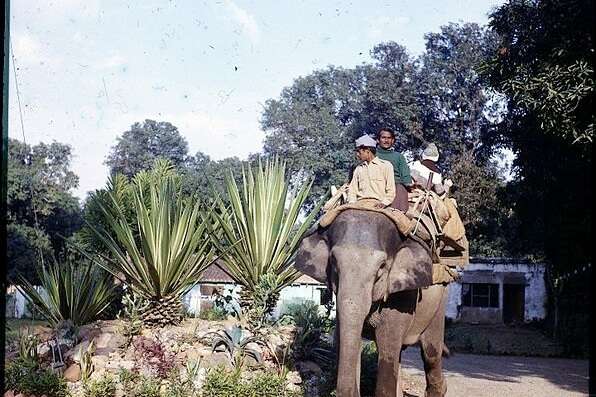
386,151
373,177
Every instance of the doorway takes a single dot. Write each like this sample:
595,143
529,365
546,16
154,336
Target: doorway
514,296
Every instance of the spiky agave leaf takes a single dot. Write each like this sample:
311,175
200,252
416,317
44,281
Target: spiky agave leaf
262,219
164,254
71,293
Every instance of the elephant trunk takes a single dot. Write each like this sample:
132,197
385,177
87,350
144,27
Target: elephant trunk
356,276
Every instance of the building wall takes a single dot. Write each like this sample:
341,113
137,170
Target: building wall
499,272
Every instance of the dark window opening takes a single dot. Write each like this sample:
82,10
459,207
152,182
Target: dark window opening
480,295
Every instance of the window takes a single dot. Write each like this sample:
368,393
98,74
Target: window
480,295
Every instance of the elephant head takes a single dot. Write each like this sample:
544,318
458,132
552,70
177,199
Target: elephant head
362,257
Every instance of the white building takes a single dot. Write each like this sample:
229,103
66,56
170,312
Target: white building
498,290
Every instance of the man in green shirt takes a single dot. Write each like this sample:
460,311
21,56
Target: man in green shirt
385,151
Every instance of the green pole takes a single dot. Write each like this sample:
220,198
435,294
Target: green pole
3,185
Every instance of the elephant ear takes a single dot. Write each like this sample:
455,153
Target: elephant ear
313,256
411,269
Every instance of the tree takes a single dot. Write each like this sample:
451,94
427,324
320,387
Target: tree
138,148
458,112
544,65
41,209
438,97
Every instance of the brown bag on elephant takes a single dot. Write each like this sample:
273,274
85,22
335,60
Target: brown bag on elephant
453,231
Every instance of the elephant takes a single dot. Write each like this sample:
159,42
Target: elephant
378,273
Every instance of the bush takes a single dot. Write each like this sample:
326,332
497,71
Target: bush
137,385
223,383
105,387
213,314
25,376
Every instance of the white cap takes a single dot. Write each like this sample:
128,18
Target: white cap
366,140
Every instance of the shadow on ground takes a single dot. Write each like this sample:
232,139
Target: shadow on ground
564,374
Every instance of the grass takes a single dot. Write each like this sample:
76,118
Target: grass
500,339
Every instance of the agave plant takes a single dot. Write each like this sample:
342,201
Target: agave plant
163,253
261,231
234,341
69,292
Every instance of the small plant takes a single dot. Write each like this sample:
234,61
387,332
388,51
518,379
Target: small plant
86,362
152,355
104,387
234,341
24,376
224,383
307,344
131,314
213,314
28,346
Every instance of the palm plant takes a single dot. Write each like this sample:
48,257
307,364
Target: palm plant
163,253
70,292
261,231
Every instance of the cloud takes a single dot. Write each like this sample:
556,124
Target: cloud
247,22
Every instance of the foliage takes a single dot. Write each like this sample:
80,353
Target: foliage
70,292
545,64
138,148
131,315
214,313
86,362
552,186
104,387
28,347
307,343
234,341
152,356
165,254
222,383
40,207
26,377
260,234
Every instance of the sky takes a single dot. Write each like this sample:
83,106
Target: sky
88,69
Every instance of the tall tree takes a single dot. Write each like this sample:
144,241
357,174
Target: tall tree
138,148
41,208
458,112
544,65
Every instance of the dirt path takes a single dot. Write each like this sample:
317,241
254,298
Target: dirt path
500,376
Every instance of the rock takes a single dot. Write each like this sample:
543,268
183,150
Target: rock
44,350
99,361
122,364
74,352
294,378
216,359
73,373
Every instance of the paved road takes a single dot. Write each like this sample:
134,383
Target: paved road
500,376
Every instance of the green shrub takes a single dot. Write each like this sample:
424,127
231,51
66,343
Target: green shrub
25,376
137,385
105,387
213,314
223,383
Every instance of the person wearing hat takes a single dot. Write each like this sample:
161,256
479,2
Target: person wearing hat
373,178
385,151
427,174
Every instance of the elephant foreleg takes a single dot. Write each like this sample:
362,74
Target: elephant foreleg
431,346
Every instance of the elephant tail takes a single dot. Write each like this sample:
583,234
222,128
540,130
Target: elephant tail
446,351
